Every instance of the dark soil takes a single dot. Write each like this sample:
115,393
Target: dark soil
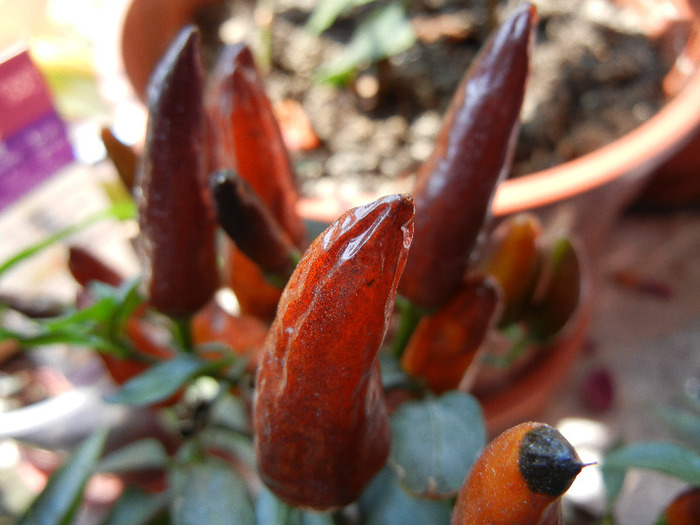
594,77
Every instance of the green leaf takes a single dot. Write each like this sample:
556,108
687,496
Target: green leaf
385,502
327,12
58,502
142,454
160,381
683,423
662,456
270,510
435,442
386,32
138,507
119,211
210,493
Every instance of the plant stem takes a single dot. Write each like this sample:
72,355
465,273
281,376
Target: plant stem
410,315
182,333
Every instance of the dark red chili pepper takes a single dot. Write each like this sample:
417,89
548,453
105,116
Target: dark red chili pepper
473,151
177,238
254,230
86,267
444,344
519,479
320,417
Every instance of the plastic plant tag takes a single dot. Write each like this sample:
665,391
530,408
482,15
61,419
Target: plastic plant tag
33,138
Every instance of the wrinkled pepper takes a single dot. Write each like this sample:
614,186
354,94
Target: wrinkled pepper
473,152
246,137
444,344
252,227
176,243
519,479
320,417
514,259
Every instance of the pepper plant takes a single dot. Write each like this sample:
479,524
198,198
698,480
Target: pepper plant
339,393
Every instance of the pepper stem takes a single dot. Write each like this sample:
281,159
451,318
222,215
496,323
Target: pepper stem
182,333
409,316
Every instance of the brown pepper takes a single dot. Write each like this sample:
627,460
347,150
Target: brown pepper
177,237
320,417
473,152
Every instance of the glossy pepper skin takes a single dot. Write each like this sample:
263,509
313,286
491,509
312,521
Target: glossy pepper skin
320,417
254,230
177,237
473,151
444,344
519,478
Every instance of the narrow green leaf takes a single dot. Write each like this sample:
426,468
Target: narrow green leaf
142,454
58,502
138,507
270,510
386,32
160,381
435,442
119,211
662,456
327,12
384,502
210,493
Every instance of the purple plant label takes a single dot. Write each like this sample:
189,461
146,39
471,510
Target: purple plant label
33,138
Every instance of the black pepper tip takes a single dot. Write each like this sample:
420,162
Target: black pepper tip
547,461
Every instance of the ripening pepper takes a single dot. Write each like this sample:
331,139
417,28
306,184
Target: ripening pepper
444,344
519,479
473,151
684,509
122,156
513,258
177,240
559,293
321,424
245,137
252,227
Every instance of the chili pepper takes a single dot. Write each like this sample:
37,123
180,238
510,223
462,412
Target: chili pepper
249,223
513,258
684,509
473,151
444,344
519,478
177,238
559,294
86,267
320,417
122,156
245,136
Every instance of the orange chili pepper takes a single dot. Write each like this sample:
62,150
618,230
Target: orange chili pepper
443,345
320,418
519,478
